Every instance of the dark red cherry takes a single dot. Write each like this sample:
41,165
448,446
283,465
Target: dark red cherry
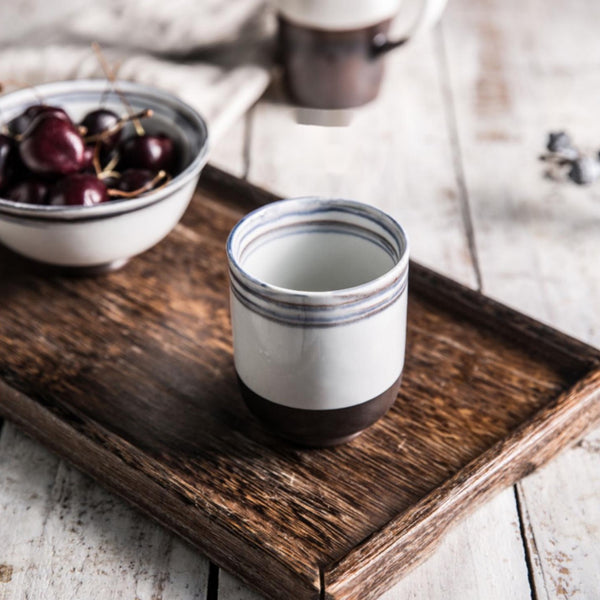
29,192
134,179
78,189
151,152
87,162
111,182
52,145
8,153
20,124
101,120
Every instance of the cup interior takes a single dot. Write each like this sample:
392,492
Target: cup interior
317,258
313,245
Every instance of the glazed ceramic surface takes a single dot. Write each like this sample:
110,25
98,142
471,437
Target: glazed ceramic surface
90,236
318,302
338,14
332,50
344,15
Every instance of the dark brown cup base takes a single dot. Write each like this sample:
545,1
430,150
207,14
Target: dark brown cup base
319,428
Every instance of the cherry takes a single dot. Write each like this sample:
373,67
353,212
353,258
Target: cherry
111,182
134,179
7,160
29,192
52,145
20,124
87,162
78,189
151,152
100,120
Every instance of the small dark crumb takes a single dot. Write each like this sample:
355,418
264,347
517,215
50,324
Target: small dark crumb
560,145
558,141
584,170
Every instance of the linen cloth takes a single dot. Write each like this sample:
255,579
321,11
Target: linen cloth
214,54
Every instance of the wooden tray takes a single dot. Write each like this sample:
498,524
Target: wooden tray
129,376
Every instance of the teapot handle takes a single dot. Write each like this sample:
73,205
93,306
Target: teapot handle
430,13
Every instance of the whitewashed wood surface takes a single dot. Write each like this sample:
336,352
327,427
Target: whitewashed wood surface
450,148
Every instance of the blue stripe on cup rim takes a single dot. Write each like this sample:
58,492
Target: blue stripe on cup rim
317,308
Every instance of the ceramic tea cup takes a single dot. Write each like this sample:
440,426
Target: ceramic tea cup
332,50
318,307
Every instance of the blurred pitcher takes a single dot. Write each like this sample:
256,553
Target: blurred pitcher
332,50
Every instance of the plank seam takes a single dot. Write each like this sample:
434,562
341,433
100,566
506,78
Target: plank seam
572,422
212,586
452,123
529,543
23,418
526,550
321,583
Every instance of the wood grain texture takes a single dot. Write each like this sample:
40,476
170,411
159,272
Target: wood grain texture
396,153
401,154
500,559
63,537
130,376
418,529
536,239
560,507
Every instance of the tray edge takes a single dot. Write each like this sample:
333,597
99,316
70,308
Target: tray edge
71,445
389,553
463,298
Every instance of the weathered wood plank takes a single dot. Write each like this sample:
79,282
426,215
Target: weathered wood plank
560,505
63,537
449,573
396,153
242,497
514,80
399,154
97,547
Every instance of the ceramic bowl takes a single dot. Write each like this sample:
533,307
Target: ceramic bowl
318,308
105,236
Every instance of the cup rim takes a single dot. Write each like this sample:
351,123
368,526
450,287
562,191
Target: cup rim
343,295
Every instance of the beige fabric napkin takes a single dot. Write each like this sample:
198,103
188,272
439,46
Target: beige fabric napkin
212,53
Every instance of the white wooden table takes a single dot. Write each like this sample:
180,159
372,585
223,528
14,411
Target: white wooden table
450,148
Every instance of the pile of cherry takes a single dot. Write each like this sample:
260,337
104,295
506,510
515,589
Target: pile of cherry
45,158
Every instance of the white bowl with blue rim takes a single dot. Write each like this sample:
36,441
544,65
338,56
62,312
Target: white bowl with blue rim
106,235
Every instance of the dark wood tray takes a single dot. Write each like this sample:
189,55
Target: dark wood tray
129,376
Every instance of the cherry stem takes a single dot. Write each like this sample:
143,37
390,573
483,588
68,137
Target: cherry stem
146,187
96,160
110,75
108,173
99,137
112,163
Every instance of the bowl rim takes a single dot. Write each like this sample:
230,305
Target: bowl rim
118,206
